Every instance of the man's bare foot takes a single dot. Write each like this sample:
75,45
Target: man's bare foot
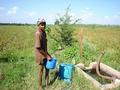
46,88
40,88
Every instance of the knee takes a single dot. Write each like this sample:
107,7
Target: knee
40,70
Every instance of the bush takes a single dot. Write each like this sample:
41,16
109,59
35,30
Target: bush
65,30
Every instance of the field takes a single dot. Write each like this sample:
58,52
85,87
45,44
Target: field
17,59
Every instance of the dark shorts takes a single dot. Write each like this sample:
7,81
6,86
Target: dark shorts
44,62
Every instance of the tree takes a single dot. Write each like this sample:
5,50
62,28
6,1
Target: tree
63,29
64,22
56,22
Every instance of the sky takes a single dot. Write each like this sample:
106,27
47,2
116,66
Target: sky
90,11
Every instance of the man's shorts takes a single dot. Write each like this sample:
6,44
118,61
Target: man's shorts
43,62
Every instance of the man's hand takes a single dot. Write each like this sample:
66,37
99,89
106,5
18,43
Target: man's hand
49,57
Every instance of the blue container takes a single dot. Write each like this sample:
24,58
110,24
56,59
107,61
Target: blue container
51,63
65,71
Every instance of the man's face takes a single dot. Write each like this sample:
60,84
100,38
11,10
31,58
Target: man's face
42,26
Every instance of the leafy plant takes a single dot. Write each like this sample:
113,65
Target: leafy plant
65,30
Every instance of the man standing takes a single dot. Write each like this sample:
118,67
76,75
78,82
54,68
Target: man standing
41,51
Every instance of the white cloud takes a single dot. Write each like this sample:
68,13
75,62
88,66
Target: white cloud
112,18
30,13
13,10
107,18
50,18
29,16
86,14
75,17
117,16
85,10
115,19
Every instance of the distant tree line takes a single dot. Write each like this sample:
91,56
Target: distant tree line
17,24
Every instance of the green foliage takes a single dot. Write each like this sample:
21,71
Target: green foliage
15,73
56,22
89,52
71,53
66,18
64,22
66,34
53,39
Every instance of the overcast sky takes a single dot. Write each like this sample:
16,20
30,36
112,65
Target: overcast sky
91,11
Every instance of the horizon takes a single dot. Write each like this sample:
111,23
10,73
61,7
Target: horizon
103,12
54,24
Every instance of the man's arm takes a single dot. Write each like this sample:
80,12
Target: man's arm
41,52
48,56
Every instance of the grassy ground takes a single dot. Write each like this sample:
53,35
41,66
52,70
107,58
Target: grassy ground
106,38
17,60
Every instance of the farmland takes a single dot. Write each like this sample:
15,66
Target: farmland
17,59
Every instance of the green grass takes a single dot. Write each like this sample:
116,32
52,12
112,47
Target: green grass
17,59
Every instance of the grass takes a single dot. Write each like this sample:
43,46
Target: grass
102,38
17,60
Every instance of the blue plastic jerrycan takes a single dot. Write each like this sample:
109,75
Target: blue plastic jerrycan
51,63
65,71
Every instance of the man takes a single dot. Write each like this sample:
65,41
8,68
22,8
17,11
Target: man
41,51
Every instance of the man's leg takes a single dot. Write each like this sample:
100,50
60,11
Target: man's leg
46,76
46,72
40,72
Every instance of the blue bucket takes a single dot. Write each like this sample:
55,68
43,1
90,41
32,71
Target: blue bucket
65,71
51,63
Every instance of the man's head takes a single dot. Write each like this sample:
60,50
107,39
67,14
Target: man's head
41,24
